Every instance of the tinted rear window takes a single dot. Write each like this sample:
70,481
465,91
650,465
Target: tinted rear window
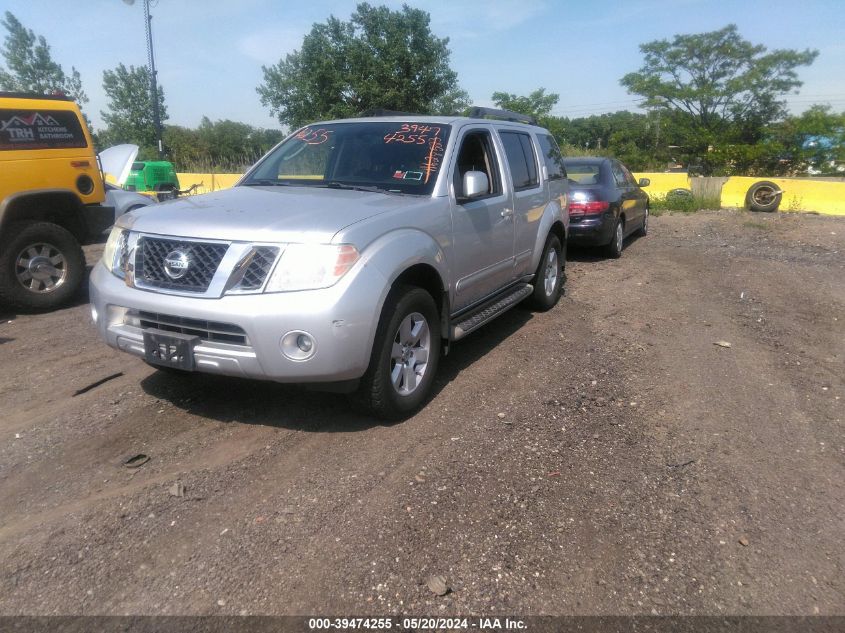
583,174
520,155
552,157
40,129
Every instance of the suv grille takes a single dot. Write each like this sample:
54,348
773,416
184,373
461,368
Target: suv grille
203,260
258,269
206,330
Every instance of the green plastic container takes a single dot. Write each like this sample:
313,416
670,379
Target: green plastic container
152,175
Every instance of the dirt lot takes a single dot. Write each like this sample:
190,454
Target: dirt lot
603,458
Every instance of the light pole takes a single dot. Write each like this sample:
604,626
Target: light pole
148,27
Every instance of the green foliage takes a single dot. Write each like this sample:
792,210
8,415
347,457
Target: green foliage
537,104
30,66
632,138
129,118
658,204
218,146
716,88
379,59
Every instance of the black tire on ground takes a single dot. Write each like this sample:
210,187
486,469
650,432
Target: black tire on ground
392,388
614,247
41,265
549,278
643,230
763,196
680,192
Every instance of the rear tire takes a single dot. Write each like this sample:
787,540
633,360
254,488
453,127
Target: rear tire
41,265
614,248
548,280
405,355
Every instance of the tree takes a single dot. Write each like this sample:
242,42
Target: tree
227,146
538,104
716,88
378,59
129,118
30,67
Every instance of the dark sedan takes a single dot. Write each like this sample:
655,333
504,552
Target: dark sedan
606,204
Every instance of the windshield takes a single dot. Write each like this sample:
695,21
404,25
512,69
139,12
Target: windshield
394,157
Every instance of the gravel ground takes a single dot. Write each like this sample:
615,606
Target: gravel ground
607,457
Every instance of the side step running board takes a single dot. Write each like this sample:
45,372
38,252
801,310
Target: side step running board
489,311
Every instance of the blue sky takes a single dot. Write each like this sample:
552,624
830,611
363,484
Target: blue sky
209,53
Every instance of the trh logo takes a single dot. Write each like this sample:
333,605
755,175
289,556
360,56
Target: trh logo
176,264
35,119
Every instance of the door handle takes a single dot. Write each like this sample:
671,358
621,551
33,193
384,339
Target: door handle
507,213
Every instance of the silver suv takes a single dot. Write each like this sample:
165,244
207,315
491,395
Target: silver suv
351,255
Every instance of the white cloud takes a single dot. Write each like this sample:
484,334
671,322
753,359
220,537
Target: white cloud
478,20
270,44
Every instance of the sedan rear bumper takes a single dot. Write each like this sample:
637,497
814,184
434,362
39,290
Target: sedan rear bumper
592,230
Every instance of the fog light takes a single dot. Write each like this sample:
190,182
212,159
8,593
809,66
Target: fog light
304,343
94,314
298,345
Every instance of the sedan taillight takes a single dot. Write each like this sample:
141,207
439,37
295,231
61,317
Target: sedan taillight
588,208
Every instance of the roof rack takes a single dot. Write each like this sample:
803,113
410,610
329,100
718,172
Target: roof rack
35,95
477,112
373,112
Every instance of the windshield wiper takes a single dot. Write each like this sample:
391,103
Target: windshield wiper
264,182
334,184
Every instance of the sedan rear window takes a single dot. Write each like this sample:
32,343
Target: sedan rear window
582,173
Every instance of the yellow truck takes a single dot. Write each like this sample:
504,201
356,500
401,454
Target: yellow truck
51,199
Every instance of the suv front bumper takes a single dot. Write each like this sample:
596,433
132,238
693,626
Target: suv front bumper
341,320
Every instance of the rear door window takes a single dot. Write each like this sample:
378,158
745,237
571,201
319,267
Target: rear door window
619,175
552,157
40,129
520,154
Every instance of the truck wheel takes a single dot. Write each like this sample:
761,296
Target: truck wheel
763,196
41,265
405,355
548,280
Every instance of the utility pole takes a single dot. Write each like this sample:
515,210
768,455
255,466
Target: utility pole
148,23
151,65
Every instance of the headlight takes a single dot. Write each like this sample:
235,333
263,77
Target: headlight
311,266
114,253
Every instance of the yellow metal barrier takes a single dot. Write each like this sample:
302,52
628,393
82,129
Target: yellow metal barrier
662,183
799,195
208,182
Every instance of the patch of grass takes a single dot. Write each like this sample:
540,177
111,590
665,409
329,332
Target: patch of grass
684,203
751,224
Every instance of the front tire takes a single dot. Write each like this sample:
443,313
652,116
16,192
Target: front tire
405,355
643,230
41,265
548,280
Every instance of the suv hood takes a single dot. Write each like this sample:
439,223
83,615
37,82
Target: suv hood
116,162
266,214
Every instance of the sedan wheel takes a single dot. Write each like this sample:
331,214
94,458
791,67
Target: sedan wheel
614,249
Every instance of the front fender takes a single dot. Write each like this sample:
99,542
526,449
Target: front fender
395,252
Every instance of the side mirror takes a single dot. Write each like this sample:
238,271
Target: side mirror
644,182
475,184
